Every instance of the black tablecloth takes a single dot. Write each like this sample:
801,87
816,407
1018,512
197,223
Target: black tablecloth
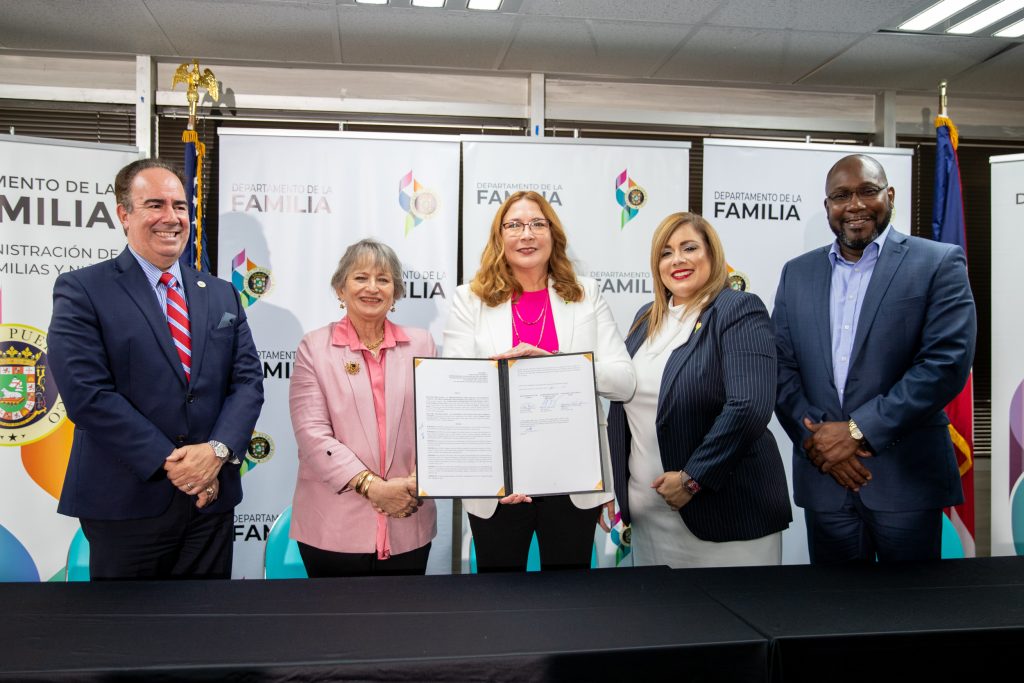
947,619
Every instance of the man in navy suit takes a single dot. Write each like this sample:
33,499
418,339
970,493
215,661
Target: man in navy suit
160,376
875,335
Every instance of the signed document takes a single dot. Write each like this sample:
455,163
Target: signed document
486,428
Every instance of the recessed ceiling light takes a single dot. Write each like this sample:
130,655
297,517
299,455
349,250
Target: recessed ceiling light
371,2
487,5
940,11
1011,31
428,3
987,17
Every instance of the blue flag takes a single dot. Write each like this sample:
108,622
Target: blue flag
948,204
195,254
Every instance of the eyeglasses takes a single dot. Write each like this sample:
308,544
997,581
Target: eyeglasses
538,226
866,193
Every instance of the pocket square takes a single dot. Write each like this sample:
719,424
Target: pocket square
226,320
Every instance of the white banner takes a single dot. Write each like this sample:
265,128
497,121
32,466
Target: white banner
766,200
1007,359
290,203
57,213
610,196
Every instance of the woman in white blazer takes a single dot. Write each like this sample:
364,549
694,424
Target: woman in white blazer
526,300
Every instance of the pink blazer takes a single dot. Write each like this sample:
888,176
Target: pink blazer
336,431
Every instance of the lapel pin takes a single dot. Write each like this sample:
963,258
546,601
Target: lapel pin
697,326
201,283
352,368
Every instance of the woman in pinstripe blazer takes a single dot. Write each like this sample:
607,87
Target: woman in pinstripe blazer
697,473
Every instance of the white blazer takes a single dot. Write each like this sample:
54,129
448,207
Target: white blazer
475,330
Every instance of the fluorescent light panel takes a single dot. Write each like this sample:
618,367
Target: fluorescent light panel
428,3
987,17
1011,31
371,2
940,11
485,5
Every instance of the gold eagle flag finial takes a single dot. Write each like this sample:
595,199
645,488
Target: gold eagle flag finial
194,80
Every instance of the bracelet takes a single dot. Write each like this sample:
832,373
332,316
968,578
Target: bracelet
366,485
360,478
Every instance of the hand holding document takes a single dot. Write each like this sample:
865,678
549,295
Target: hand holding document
486,428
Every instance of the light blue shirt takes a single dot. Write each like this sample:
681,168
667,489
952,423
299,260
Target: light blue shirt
153,276
846,297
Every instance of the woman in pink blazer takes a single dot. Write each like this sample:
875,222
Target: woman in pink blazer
355,511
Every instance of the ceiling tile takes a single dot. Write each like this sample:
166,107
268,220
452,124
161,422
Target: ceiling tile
665,11
568,46
752,56
898,61
423,37
275,31
113,26
1001,74
861,16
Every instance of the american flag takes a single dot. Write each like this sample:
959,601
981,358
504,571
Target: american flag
195,254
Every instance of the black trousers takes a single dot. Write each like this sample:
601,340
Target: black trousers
181,543
565,535
326,563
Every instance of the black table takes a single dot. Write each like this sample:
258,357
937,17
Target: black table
940,619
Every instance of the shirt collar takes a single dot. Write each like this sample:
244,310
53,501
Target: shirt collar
153,273
872,250
344,334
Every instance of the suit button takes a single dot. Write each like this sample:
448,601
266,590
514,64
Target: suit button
180,439
190,398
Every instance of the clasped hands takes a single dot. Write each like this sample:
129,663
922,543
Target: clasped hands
394,497
193,470
832,449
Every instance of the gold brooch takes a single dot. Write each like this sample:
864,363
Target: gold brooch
352,368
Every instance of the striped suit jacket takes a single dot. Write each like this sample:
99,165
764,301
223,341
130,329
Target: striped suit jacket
716,398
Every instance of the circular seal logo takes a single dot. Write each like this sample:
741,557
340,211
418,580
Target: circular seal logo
424,204
30,408
257,282
738,281
261,448
636,197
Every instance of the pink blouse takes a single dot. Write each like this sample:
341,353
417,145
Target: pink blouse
533,322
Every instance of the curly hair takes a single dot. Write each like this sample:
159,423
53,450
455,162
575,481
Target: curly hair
655,315
495,283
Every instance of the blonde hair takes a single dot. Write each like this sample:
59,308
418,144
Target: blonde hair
655,315
494,283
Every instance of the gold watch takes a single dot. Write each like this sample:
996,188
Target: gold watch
855,431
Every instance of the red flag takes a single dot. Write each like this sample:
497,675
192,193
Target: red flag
948,225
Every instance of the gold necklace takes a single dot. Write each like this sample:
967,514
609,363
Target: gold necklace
373,346
543,310
540,337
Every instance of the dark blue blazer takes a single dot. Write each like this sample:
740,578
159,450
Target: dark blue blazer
716,398
120,378
912,353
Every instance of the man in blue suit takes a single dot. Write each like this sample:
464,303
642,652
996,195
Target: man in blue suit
156,366
875,335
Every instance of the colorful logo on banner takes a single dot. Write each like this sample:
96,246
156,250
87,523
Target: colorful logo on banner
620,538
737,280
29,406
418,203
1016,467
253,282
260,450
630,196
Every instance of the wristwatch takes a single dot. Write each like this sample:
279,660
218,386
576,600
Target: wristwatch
855,431
220,450
690,485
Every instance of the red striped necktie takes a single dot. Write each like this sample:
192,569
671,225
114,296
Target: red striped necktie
177,321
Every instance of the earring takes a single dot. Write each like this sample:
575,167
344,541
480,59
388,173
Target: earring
392,307
341,304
